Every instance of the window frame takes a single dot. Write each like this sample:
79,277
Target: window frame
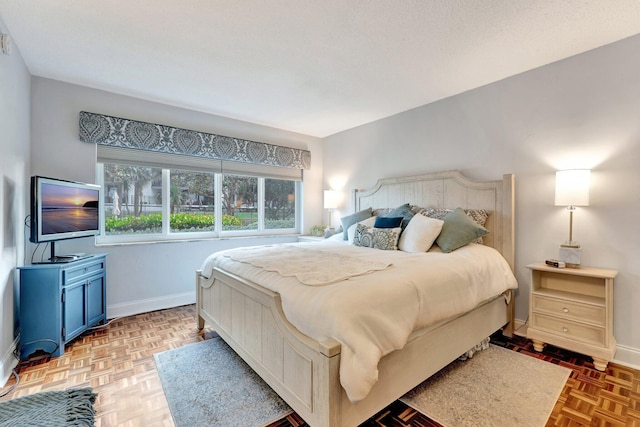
167,235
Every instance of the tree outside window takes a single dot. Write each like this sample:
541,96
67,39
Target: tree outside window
239,202
279,203
133,204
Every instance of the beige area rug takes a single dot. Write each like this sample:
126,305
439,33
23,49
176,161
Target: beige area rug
497,387
226,392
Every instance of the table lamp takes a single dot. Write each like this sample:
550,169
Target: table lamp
330,202
572,189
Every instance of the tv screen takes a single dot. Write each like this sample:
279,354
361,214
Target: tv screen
63,209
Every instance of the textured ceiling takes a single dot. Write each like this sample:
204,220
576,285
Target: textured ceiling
312,66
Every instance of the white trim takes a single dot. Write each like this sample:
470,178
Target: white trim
8,362
151,304
520,327
627,356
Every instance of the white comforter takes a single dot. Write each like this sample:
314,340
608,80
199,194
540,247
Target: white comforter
373,314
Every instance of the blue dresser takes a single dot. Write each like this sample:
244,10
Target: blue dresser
60,301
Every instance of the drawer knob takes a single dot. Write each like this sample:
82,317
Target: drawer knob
565,329
565,309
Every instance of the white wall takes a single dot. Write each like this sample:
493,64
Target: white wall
145,277
583,112
14,191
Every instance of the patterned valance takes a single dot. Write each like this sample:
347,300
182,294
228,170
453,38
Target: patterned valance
125,133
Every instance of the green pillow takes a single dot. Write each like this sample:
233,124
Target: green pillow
349,220
458,230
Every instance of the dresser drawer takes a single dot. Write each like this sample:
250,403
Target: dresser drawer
569,329
571,310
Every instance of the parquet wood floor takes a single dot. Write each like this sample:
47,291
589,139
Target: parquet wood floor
117,362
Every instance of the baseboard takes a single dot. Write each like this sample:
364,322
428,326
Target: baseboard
520,327
151,304
627,356
8,363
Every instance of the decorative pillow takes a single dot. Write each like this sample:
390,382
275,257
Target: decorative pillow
381,211
458,230
404,211
337,237
329,232
377,238
349,220
388,221
420,234
479,216
369,222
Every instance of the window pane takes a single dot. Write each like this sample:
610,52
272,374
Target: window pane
192,201
239,202
133,199
279,204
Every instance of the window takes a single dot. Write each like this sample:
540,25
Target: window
164,182
145,203
279,204
191,201
132,200
239,203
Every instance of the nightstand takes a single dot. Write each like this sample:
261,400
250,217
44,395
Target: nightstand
572,308
310,238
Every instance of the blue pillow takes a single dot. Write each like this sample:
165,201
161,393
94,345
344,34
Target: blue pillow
404,211
349,220
388,221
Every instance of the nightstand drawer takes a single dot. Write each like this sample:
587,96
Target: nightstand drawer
568,329
570,310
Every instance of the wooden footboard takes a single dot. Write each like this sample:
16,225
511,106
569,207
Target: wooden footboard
249,318
305,373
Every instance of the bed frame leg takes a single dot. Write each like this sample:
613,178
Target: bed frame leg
509,328
200,323
198,299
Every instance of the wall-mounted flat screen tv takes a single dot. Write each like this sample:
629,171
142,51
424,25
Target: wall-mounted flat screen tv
63,209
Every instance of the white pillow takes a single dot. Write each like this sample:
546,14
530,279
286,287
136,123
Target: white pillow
351,231
420,234
337,237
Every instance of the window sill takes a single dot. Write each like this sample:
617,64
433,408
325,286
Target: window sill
106,242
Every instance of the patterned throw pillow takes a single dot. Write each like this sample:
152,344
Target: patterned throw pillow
479,216
377,238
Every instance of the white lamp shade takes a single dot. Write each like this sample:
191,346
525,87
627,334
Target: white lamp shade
572,187
330,199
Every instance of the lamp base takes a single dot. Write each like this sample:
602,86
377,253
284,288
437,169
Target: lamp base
570,255
570,244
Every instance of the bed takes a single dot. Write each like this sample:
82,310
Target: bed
305,372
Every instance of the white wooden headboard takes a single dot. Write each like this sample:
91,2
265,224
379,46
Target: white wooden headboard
451,190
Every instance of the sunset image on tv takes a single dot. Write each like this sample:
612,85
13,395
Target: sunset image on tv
68,209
